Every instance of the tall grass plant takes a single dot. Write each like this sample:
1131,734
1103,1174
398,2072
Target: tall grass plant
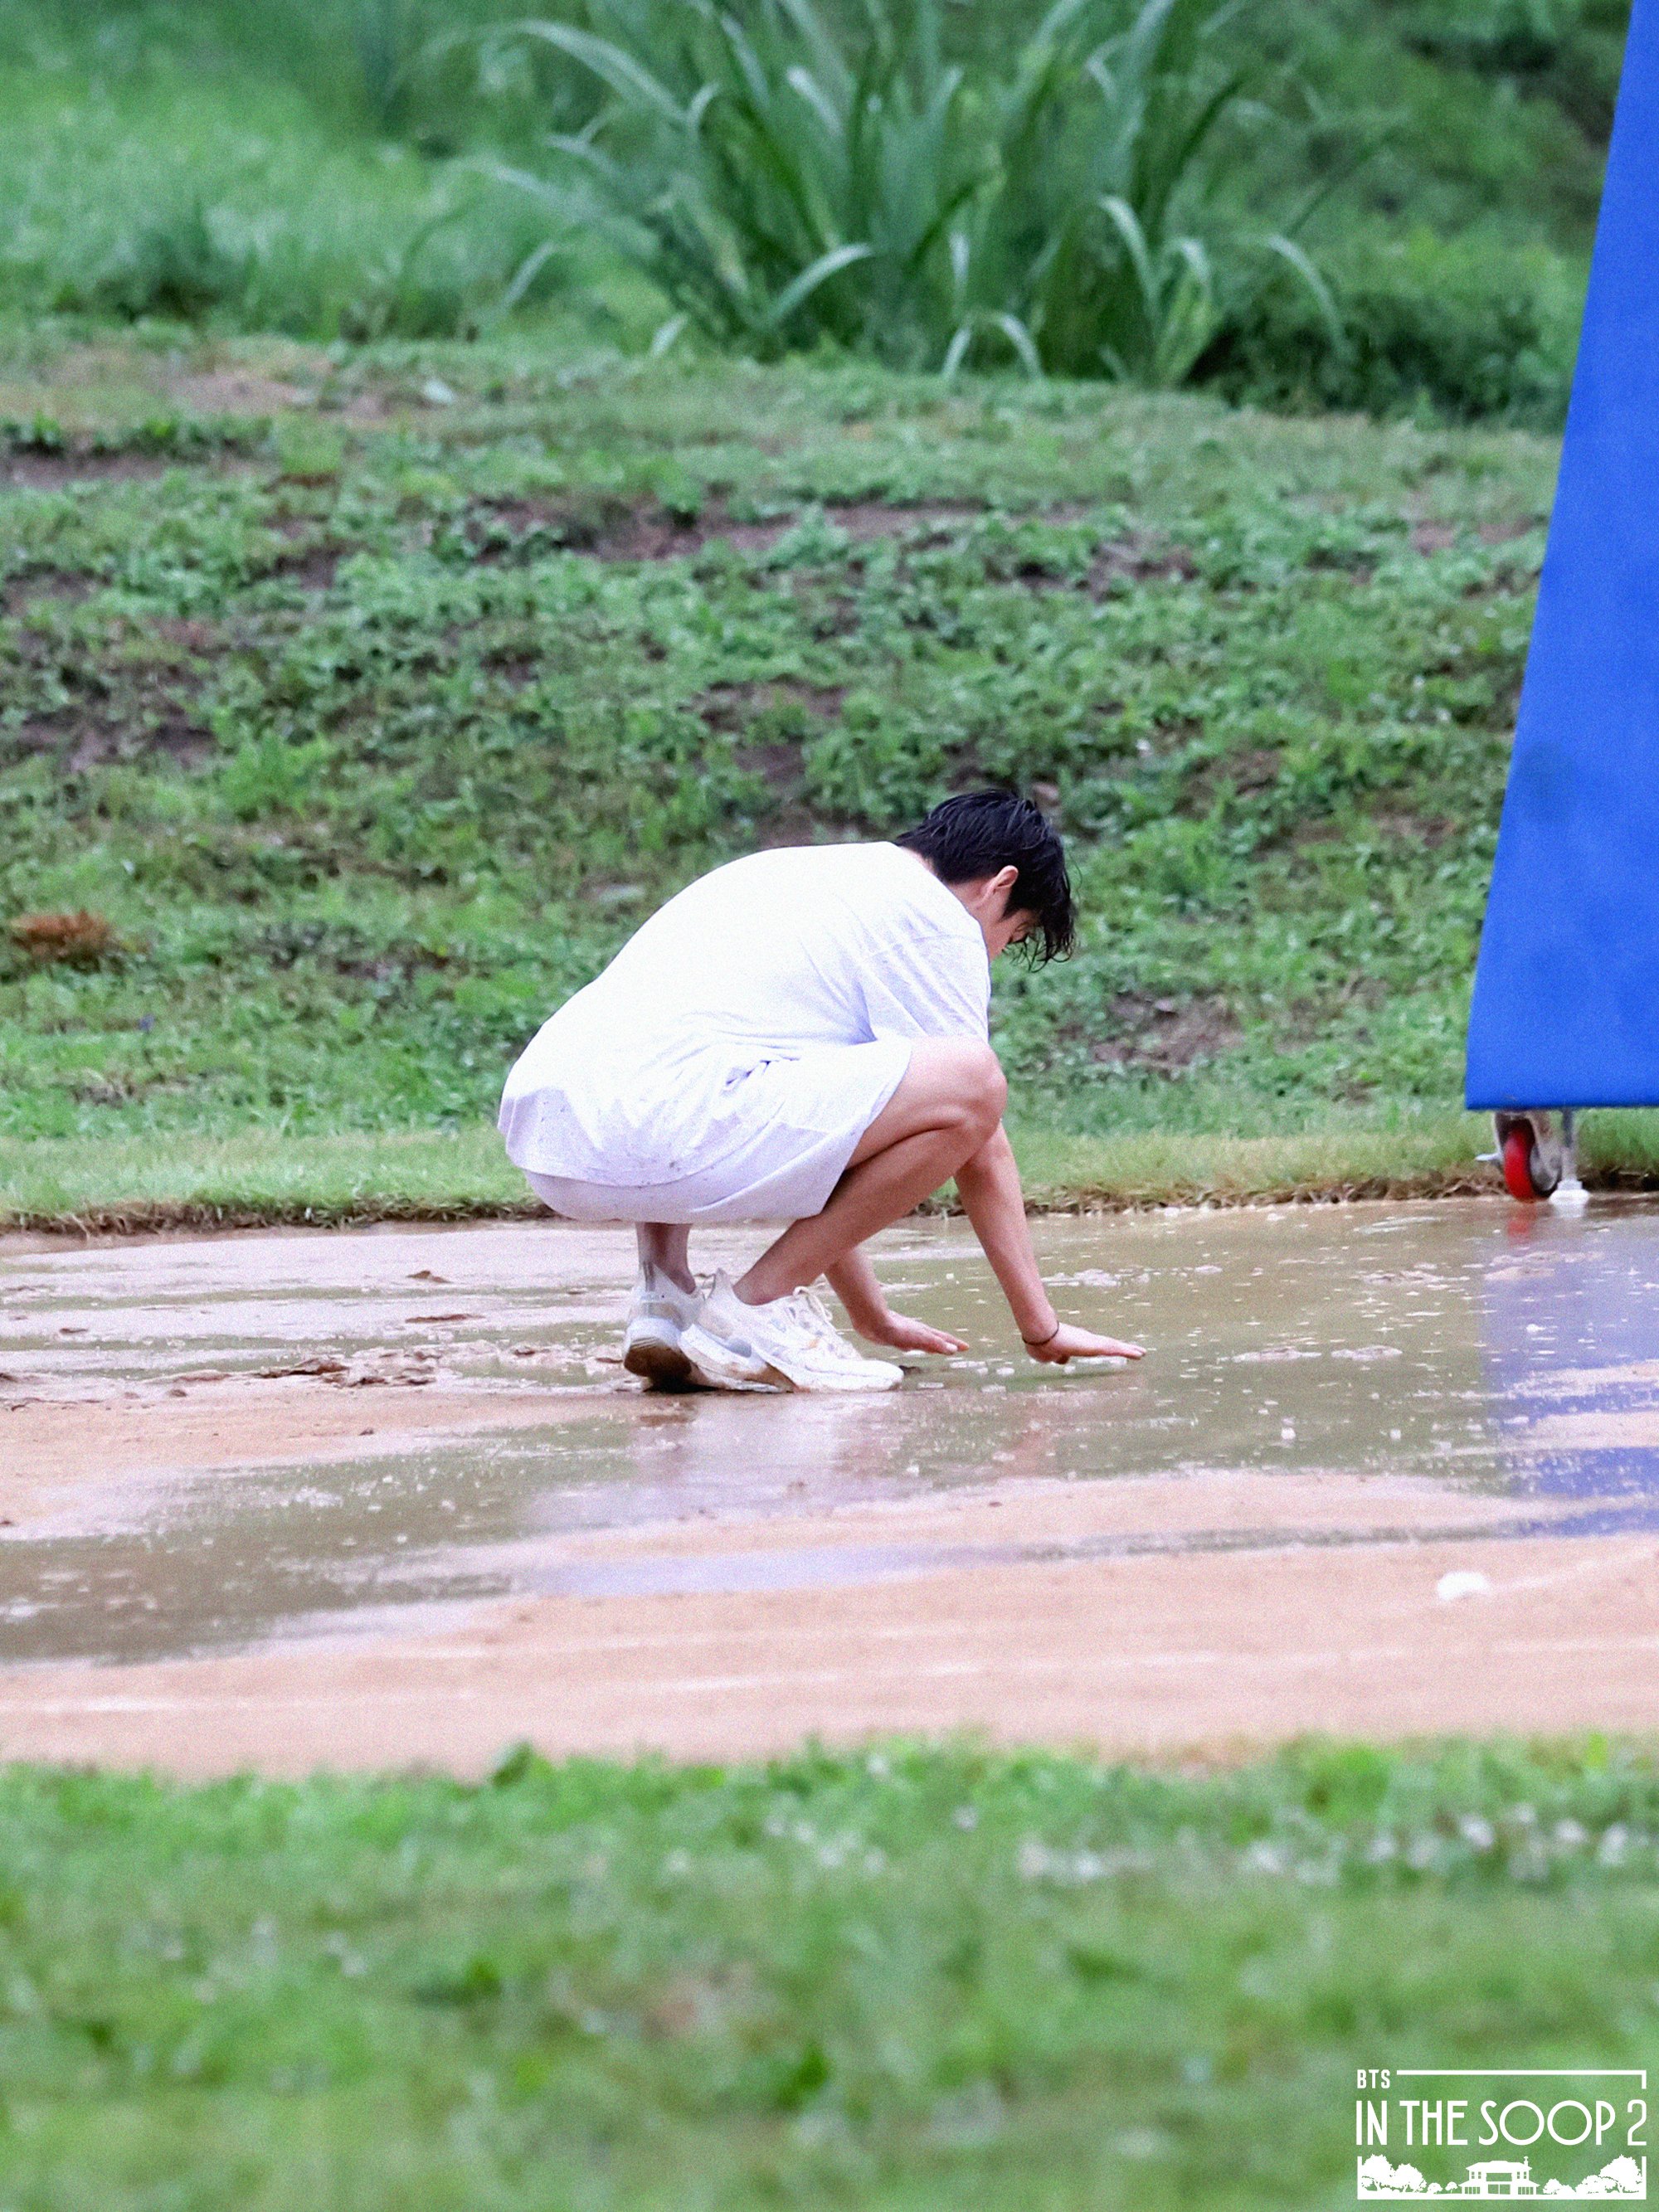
791,177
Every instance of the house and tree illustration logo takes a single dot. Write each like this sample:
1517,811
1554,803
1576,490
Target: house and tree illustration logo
1485,2133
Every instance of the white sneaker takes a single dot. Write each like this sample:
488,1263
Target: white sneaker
791,1342
659,1313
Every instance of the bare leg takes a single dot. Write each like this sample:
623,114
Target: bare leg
665,1246
948,1105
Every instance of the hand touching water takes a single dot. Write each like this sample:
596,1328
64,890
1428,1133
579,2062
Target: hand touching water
1069,1342
901,1334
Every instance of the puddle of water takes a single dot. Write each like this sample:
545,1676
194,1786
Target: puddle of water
1513,1355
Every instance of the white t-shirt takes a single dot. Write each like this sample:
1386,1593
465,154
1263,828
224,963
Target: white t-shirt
766,960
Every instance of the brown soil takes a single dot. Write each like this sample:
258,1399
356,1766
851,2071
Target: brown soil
312,568
608,528
45,471
734,705
83,739
1166,1035
1433,537
44,586
615,530
1246,774
1156,1654
1505,533
868,520
761,716
1139,560
1427,829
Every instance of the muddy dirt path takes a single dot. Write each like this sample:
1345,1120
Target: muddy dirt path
364,1498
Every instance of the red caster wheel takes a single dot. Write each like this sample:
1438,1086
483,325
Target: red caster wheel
1517,1164
1537,1151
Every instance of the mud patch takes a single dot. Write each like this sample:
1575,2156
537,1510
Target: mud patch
44,587
1505,533
1125,562
1166,1036
133,708
226,1450
48,471
84,739
609,528
615,529
1430,831
773,723
733,707
1434,537
340,950
312,568
1243,775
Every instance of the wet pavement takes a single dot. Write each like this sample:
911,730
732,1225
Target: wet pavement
1435,1366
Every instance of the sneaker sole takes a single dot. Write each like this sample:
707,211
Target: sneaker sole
722,1369
848,1385
716,1367
658,1357
741,1385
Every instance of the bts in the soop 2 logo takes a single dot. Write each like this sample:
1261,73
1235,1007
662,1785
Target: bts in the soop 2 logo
1493,2132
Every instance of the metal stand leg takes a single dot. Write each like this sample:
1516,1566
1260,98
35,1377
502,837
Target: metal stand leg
1569,1194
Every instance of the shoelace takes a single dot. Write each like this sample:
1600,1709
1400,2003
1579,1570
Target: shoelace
809,1312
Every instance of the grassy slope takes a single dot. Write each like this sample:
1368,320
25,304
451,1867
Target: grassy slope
372,731
924,1979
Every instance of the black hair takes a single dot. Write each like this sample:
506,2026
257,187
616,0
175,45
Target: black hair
982,831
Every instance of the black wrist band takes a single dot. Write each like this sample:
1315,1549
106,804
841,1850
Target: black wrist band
1036,1343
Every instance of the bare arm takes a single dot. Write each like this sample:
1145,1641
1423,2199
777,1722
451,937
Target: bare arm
988,1186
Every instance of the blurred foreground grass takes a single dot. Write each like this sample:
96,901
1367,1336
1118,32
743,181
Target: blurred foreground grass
906,1979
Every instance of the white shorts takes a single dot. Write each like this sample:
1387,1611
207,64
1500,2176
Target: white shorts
805,1117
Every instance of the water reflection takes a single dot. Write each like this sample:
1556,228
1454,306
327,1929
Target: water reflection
1513,1357
1570,1331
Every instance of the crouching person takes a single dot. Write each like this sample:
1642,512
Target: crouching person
803,1036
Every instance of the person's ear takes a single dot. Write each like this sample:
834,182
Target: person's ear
1003,884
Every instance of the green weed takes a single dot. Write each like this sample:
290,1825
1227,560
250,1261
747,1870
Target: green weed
789,178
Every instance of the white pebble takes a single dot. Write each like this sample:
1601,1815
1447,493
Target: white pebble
1462,1582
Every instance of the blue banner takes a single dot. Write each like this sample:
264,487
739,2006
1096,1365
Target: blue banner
1566,993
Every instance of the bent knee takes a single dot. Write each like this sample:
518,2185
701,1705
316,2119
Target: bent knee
993,1088
980,1087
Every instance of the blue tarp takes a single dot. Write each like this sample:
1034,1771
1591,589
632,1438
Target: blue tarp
1566,994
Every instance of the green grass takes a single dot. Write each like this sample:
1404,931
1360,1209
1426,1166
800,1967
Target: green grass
262,164
371,730
256,1176
911,1978
184,196
86,1184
